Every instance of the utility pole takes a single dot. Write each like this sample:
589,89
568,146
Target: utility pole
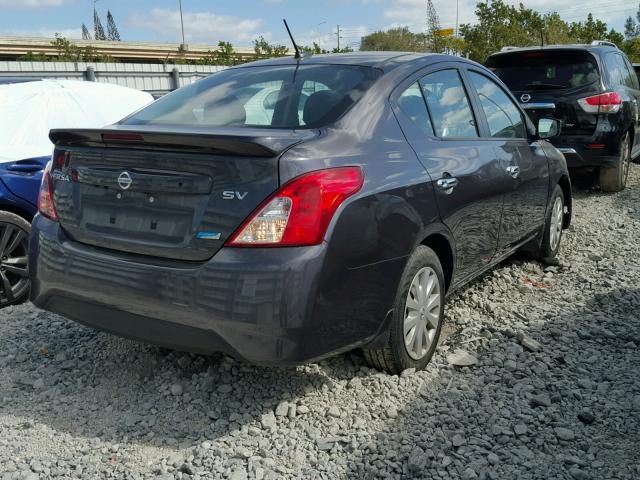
182,26
457,1
338,34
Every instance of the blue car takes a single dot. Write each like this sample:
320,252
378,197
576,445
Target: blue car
29,108
19,185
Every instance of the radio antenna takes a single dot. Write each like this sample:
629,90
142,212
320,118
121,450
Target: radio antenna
295,45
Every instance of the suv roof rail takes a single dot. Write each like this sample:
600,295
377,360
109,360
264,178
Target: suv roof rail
507,48
603,42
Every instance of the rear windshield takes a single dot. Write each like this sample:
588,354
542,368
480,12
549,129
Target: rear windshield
545,70
309,96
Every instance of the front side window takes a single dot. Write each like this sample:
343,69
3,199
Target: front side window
412,104
503,117
448,104
309,96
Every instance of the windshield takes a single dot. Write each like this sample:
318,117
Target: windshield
309,96
545,70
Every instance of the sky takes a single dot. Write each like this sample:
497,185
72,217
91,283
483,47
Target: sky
241,21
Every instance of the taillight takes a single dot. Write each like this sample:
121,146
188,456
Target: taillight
608,102
45,198
299,213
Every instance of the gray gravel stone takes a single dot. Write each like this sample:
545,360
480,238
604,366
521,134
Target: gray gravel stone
75,403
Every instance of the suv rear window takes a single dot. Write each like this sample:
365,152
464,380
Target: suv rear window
537,70
308,96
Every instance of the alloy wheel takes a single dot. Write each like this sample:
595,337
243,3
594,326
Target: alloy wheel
14,273
422,313
555,226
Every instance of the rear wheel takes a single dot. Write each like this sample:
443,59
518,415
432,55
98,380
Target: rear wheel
417,316
614,179
14,248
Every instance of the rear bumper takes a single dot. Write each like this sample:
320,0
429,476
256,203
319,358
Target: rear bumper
266,306
583,152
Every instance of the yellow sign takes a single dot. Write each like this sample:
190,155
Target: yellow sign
444,32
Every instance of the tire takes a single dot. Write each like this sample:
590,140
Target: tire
14,249
552,236
614,179
424,268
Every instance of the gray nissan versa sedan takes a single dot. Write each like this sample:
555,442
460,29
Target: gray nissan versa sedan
286,210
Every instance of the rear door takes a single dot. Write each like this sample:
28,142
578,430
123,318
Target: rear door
468,181
525,162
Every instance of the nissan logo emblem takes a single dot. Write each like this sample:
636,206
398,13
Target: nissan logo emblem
525,97
125,180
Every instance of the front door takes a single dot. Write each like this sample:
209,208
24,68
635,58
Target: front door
527,165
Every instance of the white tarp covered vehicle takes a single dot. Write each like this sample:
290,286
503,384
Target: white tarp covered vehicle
28,110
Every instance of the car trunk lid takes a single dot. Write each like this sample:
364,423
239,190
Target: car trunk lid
176,194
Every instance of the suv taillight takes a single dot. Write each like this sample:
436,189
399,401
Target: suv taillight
299,213
608,102
45,198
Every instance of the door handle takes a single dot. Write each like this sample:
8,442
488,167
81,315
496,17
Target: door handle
513,170
447,184
24,167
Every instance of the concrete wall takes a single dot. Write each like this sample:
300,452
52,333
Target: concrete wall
152,78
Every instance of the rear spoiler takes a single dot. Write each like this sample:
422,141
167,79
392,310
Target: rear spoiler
230,141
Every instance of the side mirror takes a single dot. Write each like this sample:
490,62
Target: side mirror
548,128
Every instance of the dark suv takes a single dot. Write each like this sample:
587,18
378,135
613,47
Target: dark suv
280,228
592,89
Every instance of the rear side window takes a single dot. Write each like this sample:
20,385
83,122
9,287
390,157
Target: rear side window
619,71
308,96
412,105
615,68
551,70
448,104
503,117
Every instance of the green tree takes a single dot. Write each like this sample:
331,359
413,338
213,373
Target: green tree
264,49
70,52
85,33
435,42
632,49
224,55
34,57
112,30
399,39
98,30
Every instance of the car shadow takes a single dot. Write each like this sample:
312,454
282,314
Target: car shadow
91,384
525,396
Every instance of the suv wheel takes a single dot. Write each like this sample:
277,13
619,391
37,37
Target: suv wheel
614,179
14,248
417,316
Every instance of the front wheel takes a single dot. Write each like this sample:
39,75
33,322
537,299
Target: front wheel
417,316
553,227
614,179
14,248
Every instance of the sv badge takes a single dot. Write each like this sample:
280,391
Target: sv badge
229,195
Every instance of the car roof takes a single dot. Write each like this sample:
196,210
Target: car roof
570,46
385,61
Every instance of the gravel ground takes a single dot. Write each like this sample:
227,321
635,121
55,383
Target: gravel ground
552,390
